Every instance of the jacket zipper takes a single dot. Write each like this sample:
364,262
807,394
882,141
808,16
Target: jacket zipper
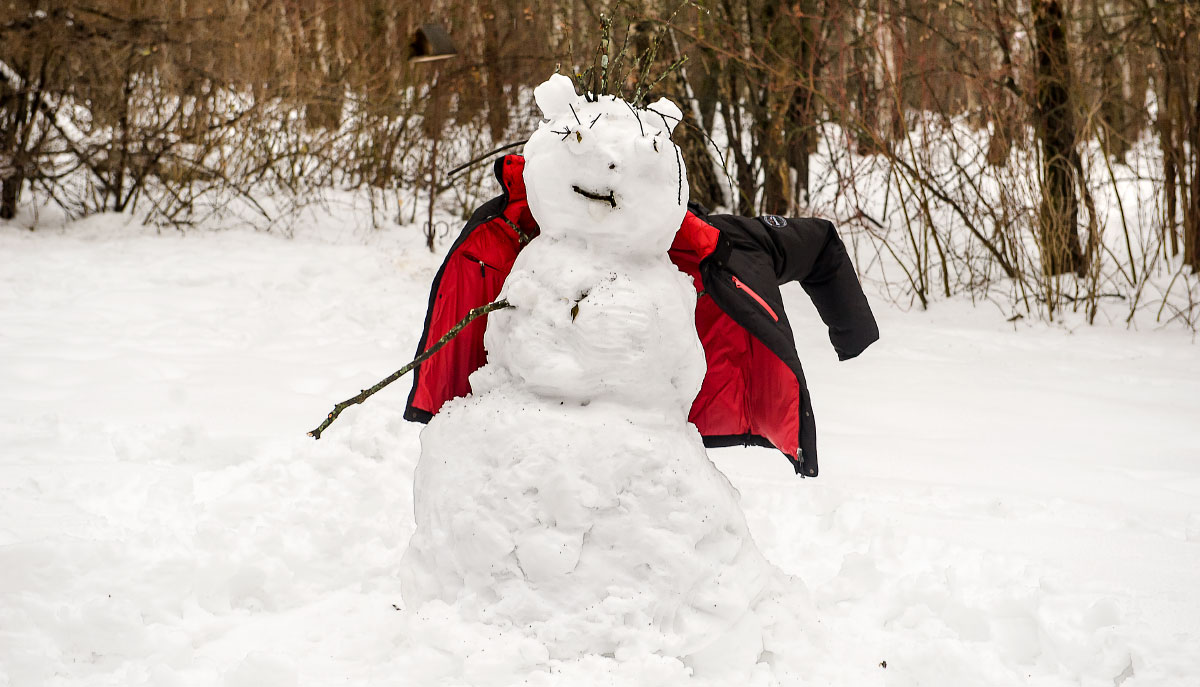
758,299
483,266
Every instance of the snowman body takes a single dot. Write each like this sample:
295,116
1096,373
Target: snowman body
568,497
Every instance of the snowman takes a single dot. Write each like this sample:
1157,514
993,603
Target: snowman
567,497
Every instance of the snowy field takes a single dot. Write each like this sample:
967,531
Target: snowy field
999,504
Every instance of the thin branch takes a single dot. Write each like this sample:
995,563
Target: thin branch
472,315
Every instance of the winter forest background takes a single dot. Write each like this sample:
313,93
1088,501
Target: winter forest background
1041,155
219,218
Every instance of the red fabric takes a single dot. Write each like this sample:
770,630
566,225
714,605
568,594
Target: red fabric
696,235
746,390
472,276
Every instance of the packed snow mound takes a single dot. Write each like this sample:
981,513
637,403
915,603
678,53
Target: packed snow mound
568,497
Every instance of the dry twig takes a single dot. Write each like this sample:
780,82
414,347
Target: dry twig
472,315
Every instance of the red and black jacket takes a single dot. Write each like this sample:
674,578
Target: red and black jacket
754,391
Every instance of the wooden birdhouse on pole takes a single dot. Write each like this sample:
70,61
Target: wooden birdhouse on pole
431,42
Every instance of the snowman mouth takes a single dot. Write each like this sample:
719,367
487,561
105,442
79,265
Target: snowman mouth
590,195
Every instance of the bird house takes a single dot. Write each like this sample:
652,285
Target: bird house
430,43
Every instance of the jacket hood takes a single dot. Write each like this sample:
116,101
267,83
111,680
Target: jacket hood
510,172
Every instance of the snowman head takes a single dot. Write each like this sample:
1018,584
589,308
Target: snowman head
605,172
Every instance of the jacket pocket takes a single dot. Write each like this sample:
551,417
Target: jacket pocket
757,298
483,266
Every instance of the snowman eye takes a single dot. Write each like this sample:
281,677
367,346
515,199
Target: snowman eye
567,132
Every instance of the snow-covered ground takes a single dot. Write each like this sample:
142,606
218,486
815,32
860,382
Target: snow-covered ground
998,504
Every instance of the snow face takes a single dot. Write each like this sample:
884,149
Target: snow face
568,496
604,172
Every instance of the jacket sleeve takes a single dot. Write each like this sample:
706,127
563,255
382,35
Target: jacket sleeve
809,251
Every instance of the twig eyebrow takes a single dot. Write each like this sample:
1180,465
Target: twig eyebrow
635,114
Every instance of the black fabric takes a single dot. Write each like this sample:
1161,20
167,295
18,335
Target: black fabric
763,257
808,251
828,278
726,440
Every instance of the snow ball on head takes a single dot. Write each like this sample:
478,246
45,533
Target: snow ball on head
605,172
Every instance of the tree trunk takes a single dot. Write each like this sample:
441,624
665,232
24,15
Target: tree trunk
1115,81
12,117
789,118
773,153
704,78
1170,211
1055,125
1191,219
889,125
10,193
802,141
801,116
493,94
